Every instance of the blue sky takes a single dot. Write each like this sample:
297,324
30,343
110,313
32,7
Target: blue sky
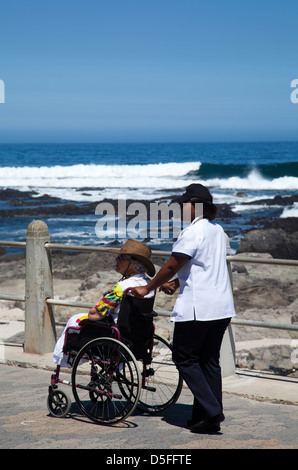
148,71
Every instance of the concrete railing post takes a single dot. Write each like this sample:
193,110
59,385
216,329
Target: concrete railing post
227,353
40,331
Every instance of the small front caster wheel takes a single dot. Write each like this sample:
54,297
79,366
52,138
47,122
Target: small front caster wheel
58,403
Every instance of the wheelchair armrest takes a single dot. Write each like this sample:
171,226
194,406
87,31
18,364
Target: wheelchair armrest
149,314
105,323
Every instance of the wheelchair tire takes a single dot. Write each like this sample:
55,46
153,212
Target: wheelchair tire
58,403
106,381
163,382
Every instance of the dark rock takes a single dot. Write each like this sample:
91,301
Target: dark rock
239,268
276,201
224,211
289,224
9,193
45,205
279,238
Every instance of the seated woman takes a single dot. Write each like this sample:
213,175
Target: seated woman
133,262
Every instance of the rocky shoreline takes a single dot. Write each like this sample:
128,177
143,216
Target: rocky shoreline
257,233
28,203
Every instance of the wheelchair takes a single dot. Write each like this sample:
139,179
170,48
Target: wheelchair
116,369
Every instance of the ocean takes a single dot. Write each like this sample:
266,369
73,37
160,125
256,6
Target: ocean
246,176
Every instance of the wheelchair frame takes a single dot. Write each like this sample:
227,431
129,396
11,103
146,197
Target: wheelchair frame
108,381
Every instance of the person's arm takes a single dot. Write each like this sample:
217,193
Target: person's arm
170,287
166,273
107,305
95,315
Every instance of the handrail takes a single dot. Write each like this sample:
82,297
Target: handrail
12,297
11,243
166,313
280,326
57,246
230,258
103,249
251,259
264,324
69,303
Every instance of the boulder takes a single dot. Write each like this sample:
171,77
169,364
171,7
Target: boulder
279,238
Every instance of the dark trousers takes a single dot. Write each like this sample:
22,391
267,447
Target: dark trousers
196,350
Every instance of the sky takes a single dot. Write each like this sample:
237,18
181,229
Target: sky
148,71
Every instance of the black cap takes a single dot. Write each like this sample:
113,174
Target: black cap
195,190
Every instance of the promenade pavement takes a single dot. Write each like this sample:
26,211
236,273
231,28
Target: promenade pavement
261,411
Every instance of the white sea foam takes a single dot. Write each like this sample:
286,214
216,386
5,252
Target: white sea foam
95,175
254,181
81,182
248,208
96,182
290,211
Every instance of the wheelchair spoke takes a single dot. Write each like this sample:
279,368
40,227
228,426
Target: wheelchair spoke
161,381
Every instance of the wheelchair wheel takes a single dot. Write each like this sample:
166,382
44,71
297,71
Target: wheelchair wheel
162,384
58,403
106,381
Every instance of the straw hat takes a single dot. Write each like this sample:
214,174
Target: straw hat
139,251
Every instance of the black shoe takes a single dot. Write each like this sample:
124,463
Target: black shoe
192,421
213,428
207,425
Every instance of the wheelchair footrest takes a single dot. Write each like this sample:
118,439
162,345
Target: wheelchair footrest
150,389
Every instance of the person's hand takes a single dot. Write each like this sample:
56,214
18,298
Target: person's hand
139,291
168,288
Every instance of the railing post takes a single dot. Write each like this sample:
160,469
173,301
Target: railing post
40,331
227,353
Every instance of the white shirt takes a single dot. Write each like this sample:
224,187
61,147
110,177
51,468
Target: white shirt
205,291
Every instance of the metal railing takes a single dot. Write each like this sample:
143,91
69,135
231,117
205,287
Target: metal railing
230,258
155,253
